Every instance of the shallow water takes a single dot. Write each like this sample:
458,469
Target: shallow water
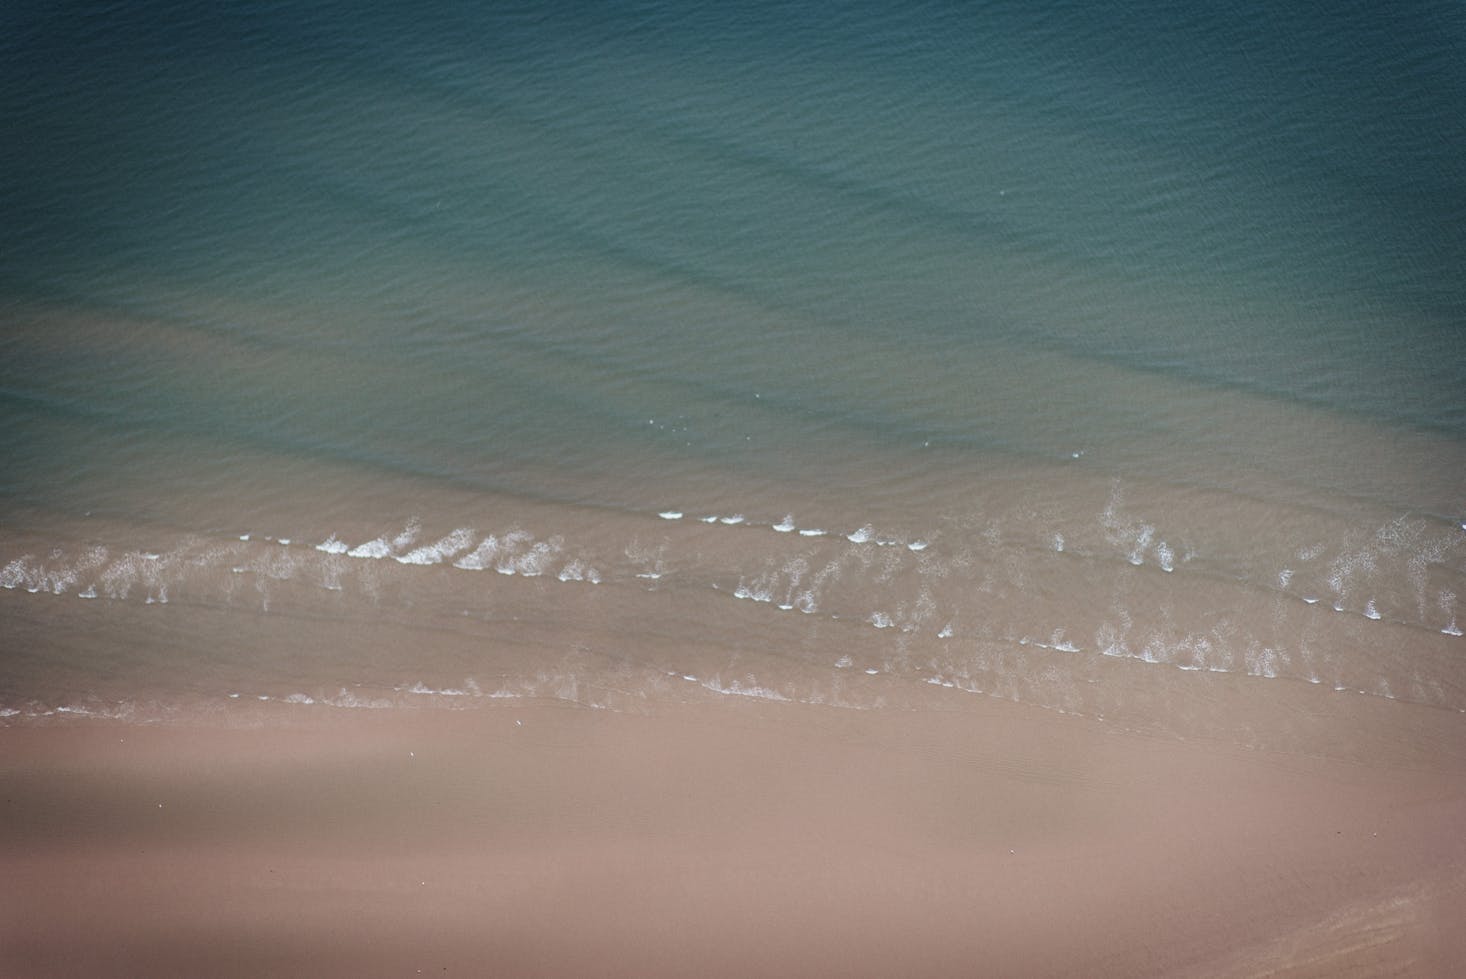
1107,361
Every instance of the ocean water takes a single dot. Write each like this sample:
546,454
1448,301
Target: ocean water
1108,358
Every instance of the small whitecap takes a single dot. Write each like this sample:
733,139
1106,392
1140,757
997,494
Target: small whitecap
91,592
408,535
1370,611
917,545
881,620
448,546
811,532
670,514
244,536
786,525
844,663
1310,601
284,541
1058,543
13,574
1166,556
331,545
580,571
872,671
653,576
375,549
1452,629
713,518
482,556
1285,576
862,536
946,632
732,521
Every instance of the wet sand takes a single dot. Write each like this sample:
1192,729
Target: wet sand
739,839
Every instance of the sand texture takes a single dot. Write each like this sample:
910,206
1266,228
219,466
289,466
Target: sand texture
747,839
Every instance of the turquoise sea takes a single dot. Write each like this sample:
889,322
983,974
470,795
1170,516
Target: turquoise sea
1109,358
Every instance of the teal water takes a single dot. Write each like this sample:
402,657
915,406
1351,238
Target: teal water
1088,335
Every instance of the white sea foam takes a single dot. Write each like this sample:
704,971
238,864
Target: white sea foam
482,557
1370,611
1166,556
14,574
732,521
812,532
375,549
761,589
917,545
670,514
750,689
347,700
881,620
578,570
786,525
436,553
862,536
1142,542
407,536
332,545
946,632
1285,576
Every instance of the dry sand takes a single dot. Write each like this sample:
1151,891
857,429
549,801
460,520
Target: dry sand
746,839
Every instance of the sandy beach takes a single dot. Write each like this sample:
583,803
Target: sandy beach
739,839
732,489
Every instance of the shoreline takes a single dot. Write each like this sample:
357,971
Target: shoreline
737,839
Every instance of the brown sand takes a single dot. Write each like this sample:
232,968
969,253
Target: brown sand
746,839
